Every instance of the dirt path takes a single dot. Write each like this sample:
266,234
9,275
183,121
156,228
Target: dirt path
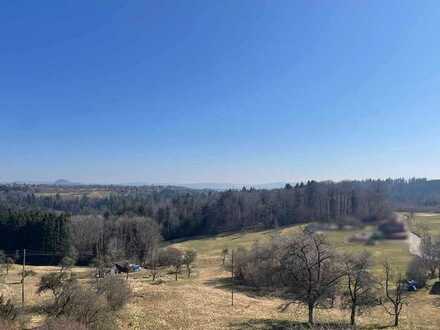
414,242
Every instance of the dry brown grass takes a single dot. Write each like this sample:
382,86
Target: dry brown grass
11,287
202,303
204,300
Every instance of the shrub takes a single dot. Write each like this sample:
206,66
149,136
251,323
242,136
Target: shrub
52,282
75,302
67,262
189,258
116,291
85,306
8,311
377,236
172,257
418,272
27,273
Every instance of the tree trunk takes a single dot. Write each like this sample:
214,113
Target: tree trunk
176,275
396,320
353,315
311,308
189,271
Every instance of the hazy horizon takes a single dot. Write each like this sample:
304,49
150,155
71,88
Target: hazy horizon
211,184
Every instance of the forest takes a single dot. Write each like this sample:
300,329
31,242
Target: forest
45,218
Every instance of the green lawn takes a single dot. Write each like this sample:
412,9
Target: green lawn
429,222
395,251
213,245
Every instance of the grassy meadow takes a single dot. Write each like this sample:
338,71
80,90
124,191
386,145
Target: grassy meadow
204,300
425,222
394,251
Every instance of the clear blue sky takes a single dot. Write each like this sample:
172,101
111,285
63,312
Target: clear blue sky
219,91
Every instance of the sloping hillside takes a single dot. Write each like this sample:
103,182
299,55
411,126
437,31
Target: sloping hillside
204,300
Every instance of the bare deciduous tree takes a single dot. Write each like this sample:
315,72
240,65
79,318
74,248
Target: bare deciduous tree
172,257
310,270
394,293
361,285
154,265
225,252
188,259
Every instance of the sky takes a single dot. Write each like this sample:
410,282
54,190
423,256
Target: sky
219,91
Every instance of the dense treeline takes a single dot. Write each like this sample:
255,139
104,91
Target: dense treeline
50,237
41,233
100,239
184,212
414,194
38,217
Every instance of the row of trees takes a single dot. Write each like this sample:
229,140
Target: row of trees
184,212
96,238
92,239
306,269
49,238
42,232
414,194
427,264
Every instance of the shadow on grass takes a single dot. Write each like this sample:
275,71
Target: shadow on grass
211,236
275,324
225,283
41,308
435,289
239,232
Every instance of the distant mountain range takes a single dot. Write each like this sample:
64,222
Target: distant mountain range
204,185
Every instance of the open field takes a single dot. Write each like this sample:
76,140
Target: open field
429,222
394,251
78,193
204,300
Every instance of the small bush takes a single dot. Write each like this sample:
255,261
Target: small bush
116,291
67,262
377,236
79,303
418,272
8,311
52,282
170,257
87,307
27,273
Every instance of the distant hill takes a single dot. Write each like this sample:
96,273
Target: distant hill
63,182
